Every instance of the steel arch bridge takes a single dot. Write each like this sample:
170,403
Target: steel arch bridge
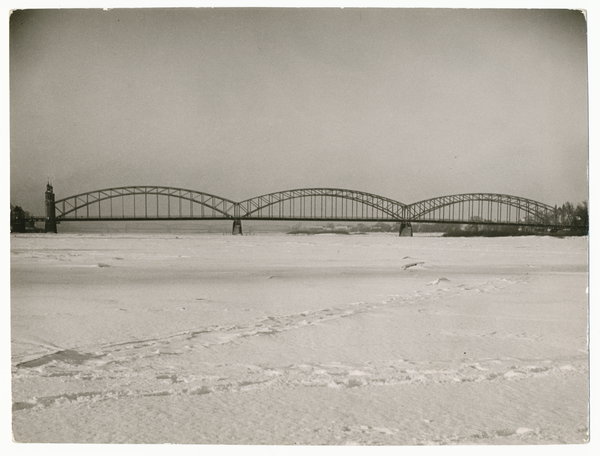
316,204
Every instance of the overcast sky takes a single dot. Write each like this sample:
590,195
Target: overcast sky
405,103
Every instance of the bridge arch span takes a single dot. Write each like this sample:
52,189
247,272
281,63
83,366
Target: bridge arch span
144,202
322,204
484,207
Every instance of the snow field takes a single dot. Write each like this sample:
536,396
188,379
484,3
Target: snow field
368,340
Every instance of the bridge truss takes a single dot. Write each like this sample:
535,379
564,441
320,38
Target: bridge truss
144,203
484,208
319,204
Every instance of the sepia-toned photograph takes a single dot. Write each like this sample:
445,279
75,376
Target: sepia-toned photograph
299,226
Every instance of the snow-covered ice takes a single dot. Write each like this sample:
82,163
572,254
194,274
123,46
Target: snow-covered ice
275,339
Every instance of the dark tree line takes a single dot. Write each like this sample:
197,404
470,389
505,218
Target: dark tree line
575,216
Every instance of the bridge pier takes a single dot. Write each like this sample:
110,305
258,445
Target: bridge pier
405,229
237,227
50,210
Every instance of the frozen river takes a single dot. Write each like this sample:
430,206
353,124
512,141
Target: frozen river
275,339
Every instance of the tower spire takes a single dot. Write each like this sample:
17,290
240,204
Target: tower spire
50,209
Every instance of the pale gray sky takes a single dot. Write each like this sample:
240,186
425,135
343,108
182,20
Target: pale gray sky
405,103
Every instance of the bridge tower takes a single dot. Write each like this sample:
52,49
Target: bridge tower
50,210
